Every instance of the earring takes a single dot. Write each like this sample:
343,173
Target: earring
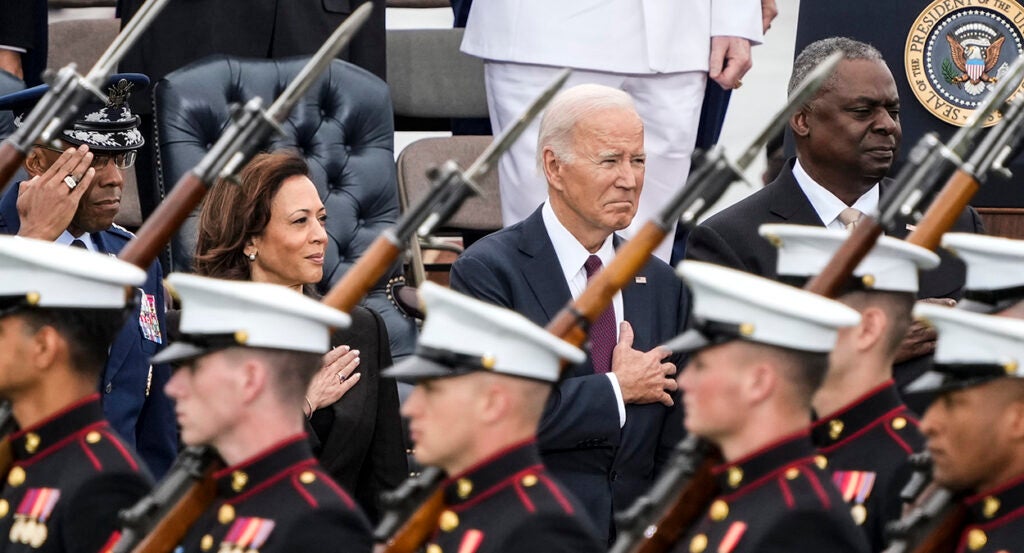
252,256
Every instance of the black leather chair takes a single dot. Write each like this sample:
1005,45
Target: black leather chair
343,127
9,84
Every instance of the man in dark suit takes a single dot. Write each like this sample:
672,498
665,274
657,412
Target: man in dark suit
608,428
846,140
72,199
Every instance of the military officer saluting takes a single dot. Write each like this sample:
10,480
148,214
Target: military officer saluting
760,350
245,358
863,429
975,429
483,375
60,308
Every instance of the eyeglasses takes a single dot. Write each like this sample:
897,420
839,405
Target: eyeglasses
122,160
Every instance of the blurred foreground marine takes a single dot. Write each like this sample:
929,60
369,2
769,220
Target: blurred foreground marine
60,308
760,351
975,429
483,375
247,353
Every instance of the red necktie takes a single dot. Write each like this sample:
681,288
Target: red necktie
602,332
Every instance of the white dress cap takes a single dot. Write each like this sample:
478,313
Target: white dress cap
972,348
993,263
44,274
730,304
462,334
222,313
892,265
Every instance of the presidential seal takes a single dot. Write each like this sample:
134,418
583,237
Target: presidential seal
957,50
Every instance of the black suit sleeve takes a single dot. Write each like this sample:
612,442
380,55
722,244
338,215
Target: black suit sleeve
476,279
706,244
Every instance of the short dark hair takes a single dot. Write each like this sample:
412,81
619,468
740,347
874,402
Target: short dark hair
898,307
235,212
292,370
816,52
805,369
88,333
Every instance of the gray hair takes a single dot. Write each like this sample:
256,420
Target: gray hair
570,107
816,52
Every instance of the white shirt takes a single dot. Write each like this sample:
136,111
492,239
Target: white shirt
827,205
571,257
67,238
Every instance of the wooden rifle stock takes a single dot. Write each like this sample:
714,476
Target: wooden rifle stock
10,160
829,282
170,530
416,530
944,211
358,281
572,321
161,224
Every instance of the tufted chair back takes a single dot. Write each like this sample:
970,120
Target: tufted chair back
8,85
343,127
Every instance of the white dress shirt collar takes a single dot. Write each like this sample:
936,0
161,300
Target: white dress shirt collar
570,253
827,205
67,238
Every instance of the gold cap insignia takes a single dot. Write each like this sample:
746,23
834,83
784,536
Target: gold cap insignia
241,337
746,329
488,361
32,298
868,281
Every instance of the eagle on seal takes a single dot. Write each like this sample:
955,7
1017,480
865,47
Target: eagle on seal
973,65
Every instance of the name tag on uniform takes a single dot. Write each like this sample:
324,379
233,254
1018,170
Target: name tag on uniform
148,320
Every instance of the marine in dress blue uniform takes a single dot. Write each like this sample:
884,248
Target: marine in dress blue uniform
247,353
498,497
864,430
759,351
131,387
70,473
976,448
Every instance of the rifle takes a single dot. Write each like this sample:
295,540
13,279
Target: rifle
933,520
250,129
991,155
682,493
7,427
414,506
930,163
68,91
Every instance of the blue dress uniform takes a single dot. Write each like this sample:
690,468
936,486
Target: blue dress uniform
867,446
70,477
993,520
281,501
511,503
776,499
